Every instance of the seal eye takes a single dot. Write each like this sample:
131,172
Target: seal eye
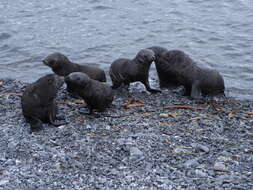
78,78
50,81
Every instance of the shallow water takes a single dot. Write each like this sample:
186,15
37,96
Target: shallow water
215,33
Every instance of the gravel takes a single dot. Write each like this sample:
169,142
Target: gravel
146,147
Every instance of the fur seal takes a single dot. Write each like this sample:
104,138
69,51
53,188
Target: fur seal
167,79
62,66
97,95
126,71
38,101
197,80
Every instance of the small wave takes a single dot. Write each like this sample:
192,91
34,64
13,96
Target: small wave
4,47
102,7
102,48
4,36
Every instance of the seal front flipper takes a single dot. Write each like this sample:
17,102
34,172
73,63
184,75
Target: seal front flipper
36,124
147,85
196,91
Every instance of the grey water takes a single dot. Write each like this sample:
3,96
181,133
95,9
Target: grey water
215,33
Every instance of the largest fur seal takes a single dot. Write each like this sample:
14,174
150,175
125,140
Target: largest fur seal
167,78
126,71
197,80
97,95
38,101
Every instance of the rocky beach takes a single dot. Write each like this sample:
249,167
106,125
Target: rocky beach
143,141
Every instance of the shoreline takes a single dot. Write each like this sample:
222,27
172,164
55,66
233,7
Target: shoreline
140,148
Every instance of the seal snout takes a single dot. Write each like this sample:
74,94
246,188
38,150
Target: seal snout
45,62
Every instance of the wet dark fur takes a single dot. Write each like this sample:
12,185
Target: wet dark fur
196,80
167,78
62,66
38,101
97,95
126,71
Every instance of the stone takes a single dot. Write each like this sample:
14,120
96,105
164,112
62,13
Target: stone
191,163
219,166
200,147
200,173
134,151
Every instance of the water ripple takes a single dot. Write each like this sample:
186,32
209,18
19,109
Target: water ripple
215,33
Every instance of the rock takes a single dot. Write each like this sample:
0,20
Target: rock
88,127
200,173
200,147
181,150
134,151
219,166
223,179
3,182
138,156
191,163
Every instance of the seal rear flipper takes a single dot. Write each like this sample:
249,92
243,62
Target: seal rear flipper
196,91
56,123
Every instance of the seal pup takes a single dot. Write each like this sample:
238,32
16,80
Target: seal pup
125,71
196,80
62,66
167,79
97,95
38,101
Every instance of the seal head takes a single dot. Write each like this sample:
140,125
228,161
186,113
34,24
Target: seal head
97,95
57,62
145,57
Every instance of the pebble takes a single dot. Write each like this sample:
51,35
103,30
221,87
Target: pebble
181,150
191,163
4,181
200,147
200,173
134,151
138,156
219,166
